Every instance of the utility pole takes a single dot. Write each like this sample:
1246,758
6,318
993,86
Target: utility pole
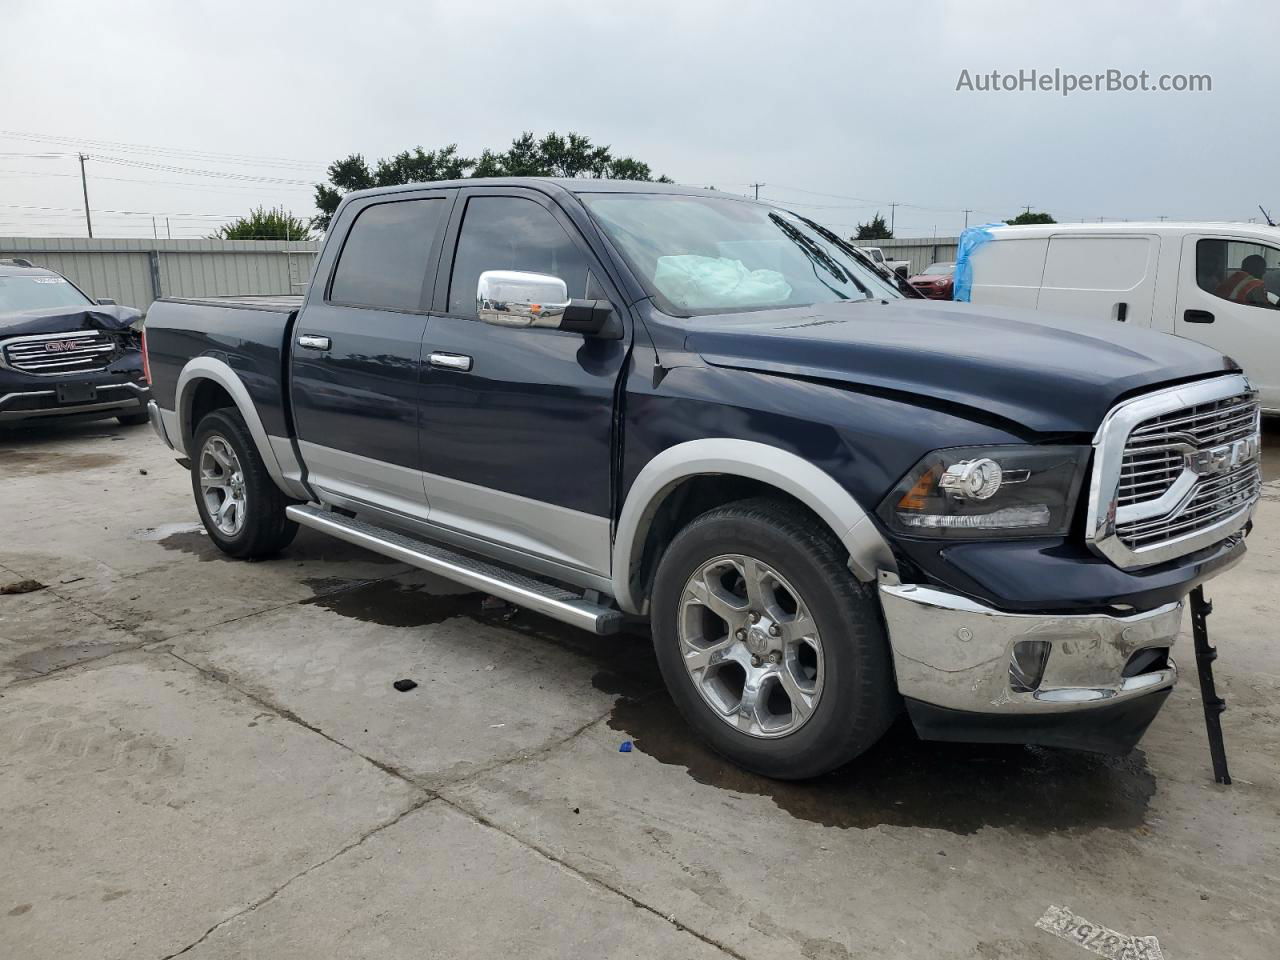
84,186
966,218
154,232
893,207
168,229
756,187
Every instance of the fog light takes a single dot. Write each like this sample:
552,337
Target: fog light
1026,666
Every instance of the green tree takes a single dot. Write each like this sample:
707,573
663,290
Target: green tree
1027,217
877,229
572,155
263,224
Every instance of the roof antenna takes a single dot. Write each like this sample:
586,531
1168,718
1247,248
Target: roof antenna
1270,222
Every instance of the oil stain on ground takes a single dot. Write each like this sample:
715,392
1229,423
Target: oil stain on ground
191,539
28,463
389,603
906,782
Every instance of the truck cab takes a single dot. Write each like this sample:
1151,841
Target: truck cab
619,403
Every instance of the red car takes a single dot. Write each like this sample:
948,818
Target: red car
937,281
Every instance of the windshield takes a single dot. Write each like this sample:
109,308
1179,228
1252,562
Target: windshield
939,270
38,292
706,255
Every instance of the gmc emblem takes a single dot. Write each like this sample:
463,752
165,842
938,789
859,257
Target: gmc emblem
1226,457
60,346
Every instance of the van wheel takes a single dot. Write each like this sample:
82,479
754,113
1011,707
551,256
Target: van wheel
240,505
770,647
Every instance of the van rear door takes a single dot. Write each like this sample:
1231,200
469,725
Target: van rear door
1102,277
1007,272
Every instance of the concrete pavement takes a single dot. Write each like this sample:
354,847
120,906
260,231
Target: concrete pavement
205,757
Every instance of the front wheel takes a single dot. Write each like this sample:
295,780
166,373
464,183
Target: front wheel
771,649
242,508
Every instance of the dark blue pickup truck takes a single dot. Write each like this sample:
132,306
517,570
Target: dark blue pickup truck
606,401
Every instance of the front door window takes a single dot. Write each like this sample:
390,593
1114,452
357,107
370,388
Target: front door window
1239,271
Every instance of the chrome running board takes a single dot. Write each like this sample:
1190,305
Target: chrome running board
524,591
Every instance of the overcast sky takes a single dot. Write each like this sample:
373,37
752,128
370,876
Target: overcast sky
840,106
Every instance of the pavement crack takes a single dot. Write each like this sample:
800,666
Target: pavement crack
267,898
591,878
285,713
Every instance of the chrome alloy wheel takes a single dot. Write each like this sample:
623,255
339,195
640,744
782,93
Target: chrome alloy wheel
222,485
751,646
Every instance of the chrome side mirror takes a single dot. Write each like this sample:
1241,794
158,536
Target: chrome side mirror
512,298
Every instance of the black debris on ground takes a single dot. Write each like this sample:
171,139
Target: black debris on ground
22,586
404,686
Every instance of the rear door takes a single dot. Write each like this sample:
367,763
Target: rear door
518,423
1007,273
357,347
1248,332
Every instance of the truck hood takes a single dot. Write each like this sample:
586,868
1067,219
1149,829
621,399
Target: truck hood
66,319
1049,374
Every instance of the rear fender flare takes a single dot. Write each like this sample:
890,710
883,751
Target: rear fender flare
868,551
287,475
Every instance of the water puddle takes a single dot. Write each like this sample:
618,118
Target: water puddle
903,781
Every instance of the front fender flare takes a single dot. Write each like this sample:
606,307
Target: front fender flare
868,550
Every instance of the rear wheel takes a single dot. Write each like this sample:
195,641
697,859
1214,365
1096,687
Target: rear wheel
771,649
242,508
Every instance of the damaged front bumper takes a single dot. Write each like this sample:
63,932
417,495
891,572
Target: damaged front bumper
971,672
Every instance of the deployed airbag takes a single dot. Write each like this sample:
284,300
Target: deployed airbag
696,282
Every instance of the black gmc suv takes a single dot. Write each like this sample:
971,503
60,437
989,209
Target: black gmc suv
63,354
610,400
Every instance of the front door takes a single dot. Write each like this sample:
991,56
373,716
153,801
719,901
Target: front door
357,352
517,446
1229,299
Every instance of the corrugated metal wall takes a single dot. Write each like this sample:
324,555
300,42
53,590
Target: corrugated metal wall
920,251
136,272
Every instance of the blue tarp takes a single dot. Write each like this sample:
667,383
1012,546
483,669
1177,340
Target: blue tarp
970,240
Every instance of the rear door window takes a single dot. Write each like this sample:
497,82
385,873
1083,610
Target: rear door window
384,261
511,233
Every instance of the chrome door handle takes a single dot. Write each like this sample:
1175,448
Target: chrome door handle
451,361
314,343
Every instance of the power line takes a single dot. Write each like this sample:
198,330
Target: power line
90,143
190,171
757,187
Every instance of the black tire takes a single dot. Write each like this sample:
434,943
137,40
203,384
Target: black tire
858,700
265,529
133,419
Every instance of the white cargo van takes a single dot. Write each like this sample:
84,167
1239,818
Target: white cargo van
1217,283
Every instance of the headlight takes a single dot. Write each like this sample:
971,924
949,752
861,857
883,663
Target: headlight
988,492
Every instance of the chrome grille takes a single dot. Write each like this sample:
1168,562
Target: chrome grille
1212,500
1155,454
1175,471
50,354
